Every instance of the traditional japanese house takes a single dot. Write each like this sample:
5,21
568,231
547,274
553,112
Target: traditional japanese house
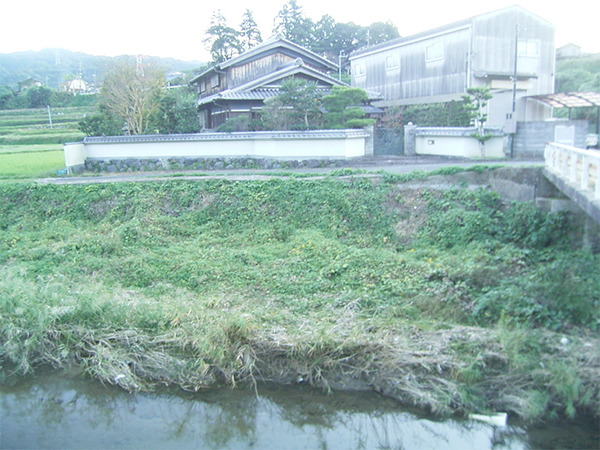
240,86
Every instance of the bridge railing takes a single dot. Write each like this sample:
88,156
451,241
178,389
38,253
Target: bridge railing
575,165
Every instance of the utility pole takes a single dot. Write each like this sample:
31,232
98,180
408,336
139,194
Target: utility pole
514,95
514,92
49,116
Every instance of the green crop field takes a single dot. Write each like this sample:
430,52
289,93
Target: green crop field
31,164
30,146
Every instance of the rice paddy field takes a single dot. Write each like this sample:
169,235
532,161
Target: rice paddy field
31,140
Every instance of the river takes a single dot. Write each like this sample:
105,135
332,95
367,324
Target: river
62,411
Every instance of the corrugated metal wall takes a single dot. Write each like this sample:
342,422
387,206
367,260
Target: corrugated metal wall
444,62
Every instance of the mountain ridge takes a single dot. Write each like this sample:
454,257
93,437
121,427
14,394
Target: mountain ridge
52,65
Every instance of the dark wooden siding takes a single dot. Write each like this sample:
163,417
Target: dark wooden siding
256,69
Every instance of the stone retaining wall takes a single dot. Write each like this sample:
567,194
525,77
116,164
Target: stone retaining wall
153,164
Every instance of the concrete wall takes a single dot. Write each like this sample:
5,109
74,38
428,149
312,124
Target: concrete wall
450,141
531,137
322,144
74,156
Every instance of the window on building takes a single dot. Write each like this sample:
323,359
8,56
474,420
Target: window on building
434,51
528,47
392,62
359,70
214,80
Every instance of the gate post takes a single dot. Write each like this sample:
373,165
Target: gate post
369,141
410,139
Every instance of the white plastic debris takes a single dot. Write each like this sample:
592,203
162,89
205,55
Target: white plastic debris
498,419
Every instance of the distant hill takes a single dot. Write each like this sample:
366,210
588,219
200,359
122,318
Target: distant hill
51,65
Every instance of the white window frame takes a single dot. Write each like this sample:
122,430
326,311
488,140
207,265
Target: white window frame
528,47
359,70
434,51
392,62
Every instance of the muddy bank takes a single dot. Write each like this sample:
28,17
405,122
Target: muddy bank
422,368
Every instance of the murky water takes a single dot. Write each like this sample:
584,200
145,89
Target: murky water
61,412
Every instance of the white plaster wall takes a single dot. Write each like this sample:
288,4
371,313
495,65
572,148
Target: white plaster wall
280,147
464,146
74,154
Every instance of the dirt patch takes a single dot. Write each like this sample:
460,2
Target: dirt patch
411,207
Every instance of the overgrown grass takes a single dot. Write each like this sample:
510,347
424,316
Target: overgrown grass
188,282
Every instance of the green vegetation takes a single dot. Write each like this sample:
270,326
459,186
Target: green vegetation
31,164
325,36
29,147
455,300
578,75
300,105
343,108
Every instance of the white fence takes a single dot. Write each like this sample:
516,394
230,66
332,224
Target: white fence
575,165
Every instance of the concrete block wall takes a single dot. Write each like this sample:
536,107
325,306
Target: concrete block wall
531,137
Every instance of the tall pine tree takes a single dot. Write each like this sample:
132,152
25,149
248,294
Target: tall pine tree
221,40
249,34
293,25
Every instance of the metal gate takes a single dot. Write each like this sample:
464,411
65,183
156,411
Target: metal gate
388,141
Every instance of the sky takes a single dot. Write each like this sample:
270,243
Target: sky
133,27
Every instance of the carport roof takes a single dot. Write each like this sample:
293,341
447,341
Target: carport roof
570,99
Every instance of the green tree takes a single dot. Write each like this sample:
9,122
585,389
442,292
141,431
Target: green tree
132,92
6,96
249,35
578,74
221,40
297,107
451,114
176,114
382,32
475,102
38,96
325,37
343,108
101,124
293,25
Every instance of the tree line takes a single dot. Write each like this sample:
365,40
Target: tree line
134,99
325,36
40,97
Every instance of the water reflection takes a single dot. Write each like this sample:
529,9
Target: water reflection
61,412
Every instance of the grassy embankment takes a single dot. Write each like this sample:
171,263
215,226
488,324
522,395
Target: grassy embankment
450,300
29,147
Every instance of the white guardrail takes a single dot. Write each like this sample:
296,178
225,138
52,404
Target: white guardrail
575,165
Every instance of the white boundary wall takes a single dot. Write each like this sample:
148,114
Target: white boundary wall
457,142
322,144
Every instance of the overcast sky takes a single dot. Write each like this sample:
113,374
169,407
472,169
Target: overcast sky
176,29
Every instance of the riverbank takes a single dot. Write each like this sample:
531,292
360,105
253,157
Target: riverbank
453,300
